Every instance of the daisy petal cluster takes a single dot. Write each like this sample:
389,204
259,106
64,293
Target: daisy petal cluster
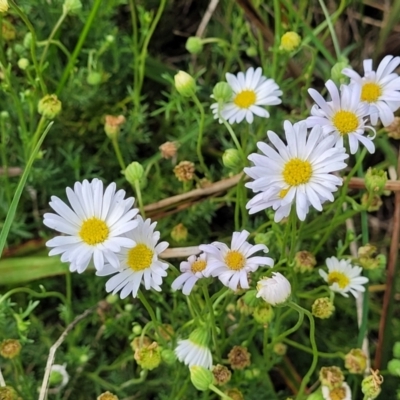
275,290
380,89
343,117
231,265
94,225
299,172
192,270
343,277
251,92
139,263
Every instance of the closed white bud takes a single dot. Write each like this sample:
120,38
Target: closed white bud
275,290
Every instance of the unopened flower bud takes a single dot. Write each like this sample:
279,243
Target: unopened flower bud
94,78
3,6
134,173
336,71
201,377
355,361
394,129
185,84
251,51
263,238
243,307
184,171
239,357
394,367
194,45
275,290
23,63
263,313
250,298
332,377
110,39
222,92
231,158
8,393
10,348
112,298
59,376
72,6
252,373
107,396
27,40
371,385
49,106
280,349
168,356
222,375
304,261
375,180
179,233
290,41
113,124
235,394
322,308
148,357
372,205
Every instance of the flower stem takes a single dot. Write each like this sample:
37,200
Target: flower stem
139,198
212,320
216,390
117,150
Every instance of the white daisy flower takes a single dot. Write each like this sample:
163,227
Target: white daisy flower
94,225
342,117
340,393
195,351
250,91
380,88
342,277
232,265
298,172
192,270
275,290
138,263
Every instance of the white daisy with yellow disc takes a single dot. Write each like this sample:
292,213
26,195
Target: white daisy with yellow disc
342,392
139,263
251,93
380,89
231,265
299,172
344,116
342,277
93,226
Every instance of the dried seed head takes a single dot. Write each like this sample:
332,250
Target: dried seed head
394,128
304,261
10,348
355,361
184,171
332,377
239,357
112,125
221,374
235,394
168,150
107,396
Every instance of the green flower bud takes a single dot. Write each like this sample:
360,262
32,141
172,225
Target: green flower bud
375,180
250,298
371,385
72,6
185,84
263,313
394,367
316,395
251,51
396,350
322,308
280,349
94,78
290,41
263,238
137,329
49,106
179,233
231,158
128,307
168,356
3,6
110,38
112,298
336,71
27,40
201,377
4,115
134,172
222,92
23,63
194,45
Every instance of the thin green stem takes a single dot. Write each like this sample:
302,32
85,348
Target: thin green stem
4,160
216,390
32,293
306,349
292,329
212,320
331,29
138,192
78,47
278,24
39,130
115,143
68,290
151,312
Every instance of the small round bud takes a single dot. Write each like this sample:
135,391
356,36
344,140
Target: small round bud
375,180
49,106
94,78
128,307
280,349
355,361
235,394
134,173
137,329
251,51
290,41
194,45
112,298
107,396
58,376
112,125
394,367
396,350
201,377
148,357
222,92
222,375
110,39
168,356
371,385
23,63
304,261
252,373
4,6
250,298
184,171
322,308
27,40
71,6
8,393
179,233
185,84
336,71
331,377
10,348
393,129
4,115
239,357
263,238
231,159
84,358
263,313
168,150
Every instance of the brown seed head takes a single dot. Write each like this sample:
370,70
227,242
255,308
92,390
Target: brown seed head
235,394
239,357
221,374
10,348
113,125
184,171
304,261
394,128
107,396
168,150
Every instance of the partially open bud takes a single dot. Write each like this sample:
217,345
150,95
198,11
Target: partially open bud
371,385
239,357
3,6
222,92
49,106
107,396
290,41
185,84
222,375
331,377
322,308
304,261
134,173
10,348
113,124
275,290
148,356
179,233
231,158
375,180
355,361
194,45
201,377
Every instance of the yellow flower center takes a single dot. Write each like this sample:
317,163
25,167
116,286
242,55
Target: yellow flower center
140,257
338,277
295,173
345,122
370,92
283,193
338,393
94,231
245,98
198,266
235,260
